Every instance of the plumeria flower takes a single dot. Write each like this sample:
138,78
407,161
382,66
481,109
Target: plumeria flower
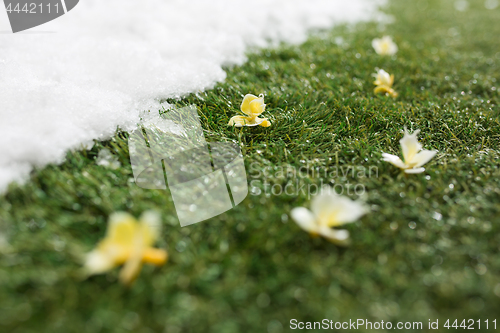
252,106
384,82
414,156
328,210
385,46
127,242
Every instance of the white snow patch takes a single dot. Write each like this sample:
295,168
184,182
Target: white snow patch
81,76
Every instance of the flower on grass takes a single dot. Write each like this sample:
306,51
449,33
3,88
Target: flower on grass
328,210
384,82
127,242
385,46
252,106
414,156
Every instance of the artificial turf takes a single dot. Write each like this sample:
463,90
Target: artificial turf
428,248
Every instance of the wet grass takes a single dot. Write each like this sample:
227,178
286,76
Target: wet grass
427,250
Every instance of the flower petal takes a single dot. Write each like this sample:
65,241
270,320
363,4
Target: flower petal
265,123
384,89
305,219
97,262
391,80
410,145
323,200
133,265
262,122
257,106
423,157
390,47
121,229
348,211
376,45
393,49
415,170
333,210
253,124
384,46
256,121
394,160
245,105
155,256
130,270
338,237
383,78
239,121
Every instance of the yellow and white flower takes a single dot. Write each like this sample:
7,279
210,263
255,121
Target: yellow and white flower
328,210
414,156
384,82
252,106
127,242
385,46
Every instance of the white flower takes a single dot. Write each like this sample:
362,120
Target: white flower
385,46
328,209
414,156
382,78
384,82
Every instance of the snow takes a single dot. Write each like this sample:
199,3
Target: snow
79,77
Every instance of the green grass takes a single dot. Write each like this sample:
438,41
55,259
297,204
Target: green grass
252,269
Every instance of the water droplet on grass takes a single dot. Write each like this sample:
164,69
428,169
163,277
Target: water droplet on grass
491,4
274,326
181,246
436,270
497,290
461,5
481,269
437,216
255,191
263,300
382,258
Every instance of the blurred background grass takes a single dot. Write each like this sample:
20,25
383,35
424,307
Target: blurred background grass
427,250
